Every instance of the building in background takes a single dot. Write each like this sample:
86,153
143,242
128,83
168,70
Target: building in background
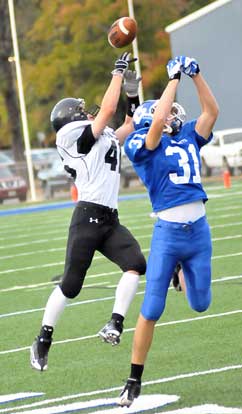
213,35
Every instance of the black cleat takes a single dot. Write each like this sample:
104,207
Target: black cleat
111,332
175,278
39,353
130,392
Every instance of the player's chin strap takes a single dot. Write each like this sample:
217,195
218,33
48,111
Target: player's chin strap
173,128
167,129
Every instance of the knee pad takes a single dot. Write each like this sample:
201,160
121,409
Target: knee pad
72,282
200,301
153,307
139,265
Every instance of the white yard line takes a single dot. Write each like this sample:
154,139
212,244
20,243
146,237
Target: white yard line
109,390
57,249
158,325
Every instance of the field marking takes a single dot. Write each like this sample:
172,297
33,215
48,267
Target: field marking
47,265
17,313
56,249
61,223
61,238
158,325
109,390
66,226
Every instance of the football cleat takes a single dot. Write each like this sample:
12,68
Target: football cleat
175,278
111,332
39,353
130,392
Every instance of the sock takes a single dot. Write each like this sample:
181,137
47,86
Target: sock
136,371
54,307
117,317
125,292
46,332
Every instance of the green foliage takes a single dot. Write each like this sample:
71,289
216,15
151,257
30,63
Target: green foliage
64,49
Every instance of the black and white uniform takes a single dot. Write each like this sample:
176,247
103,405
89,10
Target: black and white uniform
95,167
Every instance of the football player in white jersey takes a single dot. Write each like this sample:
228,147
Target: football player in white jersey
90,152
164,150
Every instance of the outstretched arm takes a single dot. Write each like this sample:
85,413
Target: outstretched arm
131,86
163,108
209,107
111,97
208,103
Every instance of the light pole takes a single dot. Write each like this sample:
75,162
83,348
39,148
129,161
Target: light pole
136,52
22,100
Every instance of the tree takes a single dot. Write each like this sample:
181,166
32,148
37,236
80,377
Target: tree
8,84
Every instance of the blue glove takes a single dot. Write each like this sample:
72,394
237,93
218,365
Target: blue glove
189,66
174,69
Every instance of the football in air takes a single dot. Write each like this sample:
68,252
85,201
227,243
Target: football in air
122,32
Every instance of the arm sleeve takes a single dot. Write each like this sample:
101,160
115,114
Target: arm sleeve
132,104
86,141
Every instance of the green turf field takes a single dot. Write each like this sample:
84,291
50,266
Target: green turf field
197,357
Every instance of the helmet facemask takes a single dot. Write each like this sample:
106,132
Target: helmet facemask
176,119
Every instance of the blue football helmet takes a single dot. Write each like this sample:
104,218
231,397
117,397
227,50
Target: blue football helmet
143,116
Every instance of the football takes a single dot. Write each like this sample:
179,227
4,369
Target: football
122,32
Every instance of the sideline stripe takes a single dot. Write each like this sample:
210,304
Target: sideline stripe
108,390
56,206
19,396
82,338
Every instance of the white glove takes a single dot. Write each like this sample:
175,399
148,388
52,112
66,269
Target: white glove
131,83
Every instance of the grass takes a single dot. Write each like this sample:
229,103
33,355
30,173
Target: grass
194,356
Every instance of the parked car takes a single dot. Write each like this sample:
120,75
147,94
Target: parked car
127,173
54,179
225,150
43,158
11,185
5,159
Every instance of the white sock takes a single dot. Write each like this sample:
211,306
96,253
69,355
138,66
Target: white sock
125,292
54,307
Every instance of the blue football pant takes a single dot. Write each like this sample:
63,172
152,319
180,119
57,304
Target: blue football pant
189,244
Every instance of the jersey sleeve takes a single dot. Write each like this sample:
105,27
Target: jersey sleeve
134,146
86,141
200,140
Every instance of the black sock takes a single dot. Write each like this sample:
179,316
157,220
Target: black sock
46,332
117,317
136,371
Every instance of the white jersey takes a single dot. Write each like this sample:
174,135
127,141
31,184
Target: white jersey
97,173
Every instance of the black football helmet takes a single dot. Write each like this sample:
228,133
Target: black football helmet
67,110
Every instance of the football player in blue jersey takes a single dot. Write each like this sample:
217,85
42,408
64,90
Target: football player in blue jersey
164,150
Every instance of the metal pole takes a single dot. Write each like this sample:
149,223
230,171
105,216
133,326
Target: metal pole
136,52
22,101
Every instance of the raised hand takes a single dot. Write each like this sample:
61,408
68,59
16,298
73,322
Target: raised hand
131,83
189,66
122,64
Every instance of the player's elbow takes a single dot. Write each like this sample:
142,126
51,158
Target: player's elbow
109,110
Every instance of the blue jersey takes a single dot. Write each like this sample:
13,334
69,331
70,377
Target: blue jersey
171,172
